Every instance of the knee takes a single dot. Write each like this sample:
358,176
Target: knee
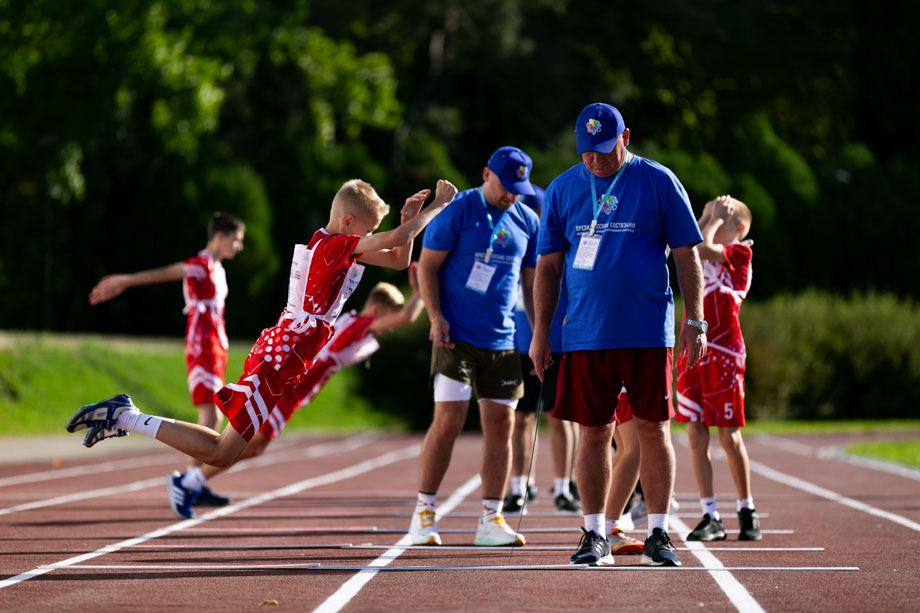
730,439
698,436
446,428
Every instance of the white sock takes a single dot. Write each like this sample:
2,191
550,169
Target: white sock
193,479
518,485
491,507
709,507
561,485
595,523
135,421
612,524
425,501
745,503
657,520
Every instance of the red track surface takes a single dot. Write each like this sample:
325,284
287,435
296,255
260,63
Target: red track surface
326,491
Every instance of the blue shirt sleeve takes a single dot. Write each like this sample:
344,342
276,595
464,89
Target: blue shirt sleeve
552,228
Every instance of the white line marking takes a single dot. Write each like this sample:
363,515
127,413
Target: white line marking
427,547
737,593
94,469
722,570
295,488
775,475
337,601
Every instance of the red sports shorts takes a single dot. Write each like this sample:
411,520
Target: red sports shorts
711,393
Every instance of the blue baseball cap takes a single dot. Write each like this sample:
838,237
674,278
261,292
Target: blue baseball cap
536,201
512,166
597,128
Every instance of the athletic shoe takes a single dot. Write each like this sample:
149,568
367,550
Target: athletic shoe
658,550
749,525
593,550
514,505
621,543
207,498
573,490
103,413
96,434
566,504
423,528
626,521
639,513
708,530
180,499
532,491
495,532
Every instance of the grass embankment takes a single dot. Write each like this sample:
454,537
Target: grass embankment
45,378
906,453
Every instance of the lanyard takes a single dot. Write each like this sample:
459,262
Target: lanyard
600,205
492,226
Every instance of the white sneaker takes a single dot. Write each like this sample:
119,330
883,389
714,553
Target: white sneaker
424,529
626,522
495,532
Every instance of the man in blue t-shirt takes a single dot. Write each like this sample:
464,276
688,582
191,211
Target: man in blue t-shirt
608,224
471,266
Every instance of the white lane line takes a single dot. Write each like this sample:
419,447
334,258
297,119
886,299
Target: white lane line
426,547
736,592
347,444
295,488
765,471
93,469
337,601
373,569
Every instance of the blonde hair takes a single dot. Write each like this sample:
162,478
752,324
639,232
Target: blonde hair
386,295
743,214
360,199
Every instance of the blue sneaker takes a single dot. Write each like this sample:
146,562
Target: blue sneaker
207,498
96,434
103,414
658,550
180,499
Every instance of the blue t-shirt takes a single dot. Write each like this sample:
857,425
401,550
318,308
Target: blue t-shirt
484,320
626,300
523,334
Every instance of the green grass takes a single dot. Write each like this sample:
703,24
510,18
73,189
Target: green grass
44,378
904,452
840,426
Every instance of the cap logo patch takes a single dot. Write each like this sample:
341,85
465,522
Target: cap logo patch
522,172
593,126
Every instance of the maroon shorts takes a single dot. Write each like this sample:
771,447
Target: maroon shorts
590,381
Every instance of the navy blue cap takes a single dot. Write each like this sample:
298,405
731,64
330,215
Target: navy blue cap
536,201
512,166
597,128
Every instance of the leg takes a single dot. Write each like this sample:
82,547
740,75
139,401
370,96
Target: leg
254,448
210,417
522,442
700,459
562,443
625,469
203,443
592,467
736,454
497,420
656,463
438,445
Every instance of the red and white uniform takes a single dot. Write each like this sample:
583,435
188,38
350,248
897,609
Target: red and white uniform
350,344
324,273
205,291
712,392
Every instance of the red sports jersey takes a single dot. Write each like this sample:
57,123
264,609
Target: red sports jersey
324,273
205,291
725,285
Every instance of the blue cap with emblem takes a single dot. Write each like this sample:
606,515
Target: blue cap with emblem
597,128
512,166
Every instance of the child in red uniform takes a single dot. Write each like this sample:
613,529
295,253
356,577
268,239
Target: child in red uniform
354,341
712,392
324,272
204,285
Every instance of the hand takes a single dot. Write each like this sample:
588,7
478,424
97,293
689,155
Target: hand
413,205
413,276
440,332
723,207
540,355
692,342
108,287
444,192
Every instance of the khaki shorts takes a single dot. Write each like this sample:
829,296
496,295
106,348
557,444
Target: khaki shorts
492,373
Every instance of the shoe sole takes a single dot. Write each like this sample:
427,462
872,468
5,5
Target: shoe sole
607,560
628,549
708,539
432,540
518,542
647,561
744,537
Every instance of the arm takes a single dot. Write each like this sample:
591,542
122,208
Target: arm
714,215
690,278
408,313
547,280
430,288
399,256
112,286
527,279
404,234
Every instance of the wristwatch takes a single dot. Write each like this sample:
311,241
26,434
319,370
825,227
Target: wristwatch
702,325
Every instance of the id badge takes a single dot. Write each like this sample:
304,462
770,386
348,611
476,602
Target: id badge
480,277
587,252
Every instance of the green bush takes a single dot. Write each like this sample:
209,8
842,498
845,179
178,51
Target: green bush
818,356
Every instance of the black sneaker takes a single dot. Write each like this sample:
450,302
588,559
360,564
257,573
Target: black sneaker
708,530
567,504
593,550
207,498
513,505
659,551
749,525
531,492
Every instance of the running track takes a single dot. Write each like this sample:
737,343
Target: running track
318,523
